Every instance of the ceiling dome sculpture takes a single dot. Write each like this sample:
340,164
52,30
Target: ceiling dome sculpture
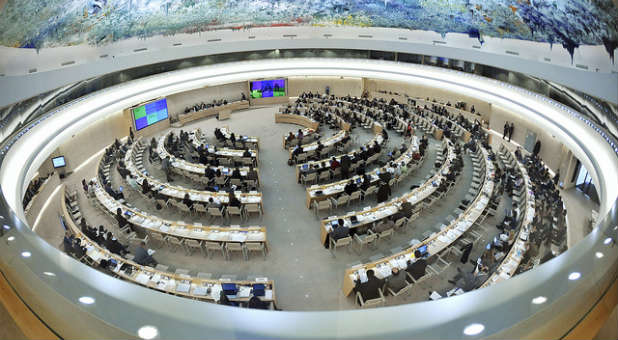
36,24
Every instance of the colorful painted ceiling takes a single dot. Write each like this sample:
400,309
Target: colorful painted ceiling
46,23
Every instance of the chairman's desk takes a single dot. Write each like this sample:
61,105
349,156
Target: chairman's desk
512,260
435,243
186,168
178,192
176,284
336,188
213,111
370,215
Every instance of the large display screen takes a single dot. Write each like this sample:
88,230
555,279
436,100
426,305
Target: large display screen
150,113
59,162
268,88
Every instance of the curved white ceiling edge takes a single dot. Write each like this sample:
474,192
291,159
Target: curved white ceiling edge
40,141
60,66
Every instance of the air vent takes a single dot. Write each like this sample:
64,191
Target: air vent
213,40
512,52
32,70
103,56
476,46
66,63
251,37
439,42
141,49
403,38
547,60
327,35
583,67
289,35
365,36
177,44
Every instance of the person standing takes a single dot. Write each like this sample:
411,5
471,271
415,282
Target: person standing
505,132
511,129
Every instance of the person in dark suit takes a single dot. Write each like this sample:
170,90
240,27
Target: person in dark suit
78,250
145,187
383,192
397,281
233,201
417,268
256,303
236,173
369,290
350,187
121,220
340,231
142,257
187,201
346,162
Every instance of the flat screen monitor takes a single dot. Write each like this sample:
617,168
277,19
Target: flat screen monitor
268,88
149,114
59,162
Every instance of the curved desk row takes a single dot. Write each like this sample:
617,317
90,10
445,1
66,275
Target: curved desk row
386,209
512,260
177,192
436,242
336,188
317,165
186,168
176,284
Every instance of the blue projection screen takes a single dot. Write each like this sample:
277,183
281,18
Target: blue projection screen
148,114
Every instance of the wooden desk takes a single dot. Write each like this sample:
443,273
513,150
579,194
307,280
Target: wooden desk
178,192
297,120
212,111
512,260
171,283
336,188
436,243
391,207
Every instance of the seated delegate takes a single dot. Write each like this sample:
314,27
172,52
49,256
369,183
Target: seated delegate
370,289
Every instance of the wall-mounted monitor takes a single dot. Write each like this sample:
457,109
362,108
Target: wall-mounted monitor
268,88
150,113
59,162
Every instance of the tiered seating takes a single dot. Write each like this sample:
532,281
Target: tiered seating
524,200
175,194
335,191
196,171
200,287
436,246
420,198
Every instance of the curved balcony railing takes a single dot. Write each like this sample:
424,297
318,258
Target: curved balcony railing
51,283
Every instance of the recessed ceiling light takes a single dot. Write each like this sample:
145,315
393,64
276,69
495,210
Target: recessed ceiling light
148,332
539,300
474,329
26,254
598,254
86,300
11,238
6,226
607,241
574,276
49,274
